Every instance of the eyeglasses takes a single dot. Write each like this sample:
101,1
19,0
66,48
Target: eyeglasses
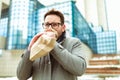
53,25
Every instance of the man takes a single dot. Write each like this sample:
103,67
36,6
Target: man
65,61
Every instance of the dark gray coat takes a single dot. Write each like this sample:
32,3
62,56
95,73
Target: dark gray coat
65,62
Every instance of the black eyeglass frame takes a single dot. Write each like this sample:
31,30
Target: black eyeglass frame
53,25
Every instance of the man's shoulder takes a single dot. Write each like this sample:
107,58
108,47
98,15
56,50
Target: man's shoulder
69,41
72,39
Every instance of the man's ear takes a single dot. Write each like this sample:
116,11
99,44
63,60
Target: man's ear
63,27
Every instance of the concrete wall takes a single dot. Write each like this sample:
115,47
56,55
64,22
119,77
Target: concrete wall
9,61
2,42
0,7
7,2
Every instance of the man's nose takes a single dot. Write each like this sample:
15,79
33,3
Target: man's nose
50,27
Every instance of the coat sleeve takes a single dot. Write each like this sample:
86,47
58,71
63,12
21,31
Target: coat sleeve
71,57
24,69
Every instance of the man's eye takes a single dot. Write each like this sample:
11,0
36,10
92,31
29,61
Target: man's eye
54,24
47,24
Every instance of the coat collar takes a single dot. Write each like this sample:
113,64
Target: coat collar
61,38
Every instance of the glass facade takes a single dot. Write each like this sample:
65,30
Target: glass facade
103,42
67,11
3,27
25,20
26,16
20,23
74,21
80,25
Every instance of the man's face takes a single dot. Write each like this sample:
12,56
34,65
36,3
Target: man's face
54,22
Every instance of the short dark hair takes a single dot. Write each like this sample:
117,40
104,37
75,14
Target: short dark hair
57,13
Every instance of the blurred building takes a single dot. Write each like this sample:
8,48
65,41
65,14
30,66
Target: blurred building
4,4
23,19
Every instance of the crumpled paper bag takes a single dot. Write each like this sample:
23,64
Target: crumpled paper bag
42,47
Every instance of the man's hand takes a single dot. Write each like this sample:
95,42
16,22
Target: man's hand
43,34
34,39
49,34
52,33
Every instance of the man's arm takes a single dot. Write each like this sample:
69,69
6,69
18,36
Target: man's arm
24,69
72,60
